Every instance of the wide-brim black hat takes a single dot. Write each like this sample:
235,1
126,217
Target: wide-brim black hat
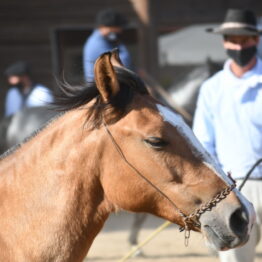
237,22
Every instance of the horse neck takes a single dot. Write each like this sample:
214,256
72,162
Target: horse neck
54,179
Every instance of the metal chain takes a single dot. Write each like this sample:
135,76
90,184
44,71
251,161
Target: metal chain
192,220
209,205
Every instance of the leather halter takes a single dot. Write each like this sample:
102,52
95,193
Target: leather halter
192,220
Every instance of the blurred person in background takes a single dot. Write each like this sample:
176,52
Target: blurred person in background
23,91
107,36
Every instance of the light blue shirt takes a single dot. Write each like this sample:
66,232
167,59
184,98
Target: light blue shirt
228,119
15,101
96,45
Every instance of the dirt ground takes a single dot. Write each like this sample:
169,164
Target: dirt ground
168,246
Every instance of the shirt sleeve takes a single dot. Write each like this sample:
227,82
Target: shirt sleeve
203,125
40,96
88,62
13,102
125,56
93,48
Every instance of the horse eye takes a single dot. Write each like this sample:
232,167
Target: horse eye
156,142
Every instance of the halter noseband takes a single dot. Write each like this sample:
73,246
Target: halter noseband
192,220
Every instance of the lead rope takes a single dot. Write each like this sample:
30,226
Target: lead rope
249,173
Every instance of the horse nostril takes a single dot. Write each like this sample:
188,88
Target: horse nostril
239,222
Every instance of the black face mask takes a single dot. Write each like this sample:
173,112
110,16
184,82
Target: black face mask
242,57
18,85
113,37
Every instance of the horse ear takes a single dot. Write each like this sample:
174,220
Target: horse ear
105,76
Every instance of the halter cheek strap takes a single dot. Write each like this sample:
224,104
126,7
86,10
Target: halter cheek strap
190,221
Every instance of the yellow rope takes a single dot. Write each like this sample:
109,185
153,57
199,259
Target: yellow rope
141,244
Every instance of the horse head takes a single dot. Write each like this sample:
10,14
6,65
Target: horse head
115,147
152,162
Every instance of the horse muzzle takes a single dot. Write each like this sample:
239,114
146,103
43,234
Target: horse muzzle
228,225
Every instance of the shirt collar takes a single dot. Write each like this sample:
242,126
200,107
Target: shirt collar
250,79
231,74
253,76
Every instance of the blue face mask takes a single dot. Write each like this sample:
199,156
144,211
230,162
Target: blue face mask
242,57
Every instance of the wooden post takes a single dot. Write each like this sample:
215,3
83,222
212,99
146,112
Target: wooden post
148,51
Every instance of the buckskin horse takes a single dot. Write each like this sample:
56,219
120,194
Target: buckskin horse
113,148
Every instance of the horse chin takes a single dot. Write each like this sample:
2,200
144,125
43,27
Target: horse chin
221,241
226,230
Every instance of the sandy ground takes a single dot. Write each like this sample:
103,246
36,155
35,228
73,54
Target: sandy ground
168,246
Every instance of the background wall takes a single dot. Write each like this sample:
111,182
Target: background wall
50,34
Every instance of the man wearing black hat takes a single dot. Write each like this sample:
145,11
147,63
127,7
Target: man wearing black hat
105,37
228,117
23,91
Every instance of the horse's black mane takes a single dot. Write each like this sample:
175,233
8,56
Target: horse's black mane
74,97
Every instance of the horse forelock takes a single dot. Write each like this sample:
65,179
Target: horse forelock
78,97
